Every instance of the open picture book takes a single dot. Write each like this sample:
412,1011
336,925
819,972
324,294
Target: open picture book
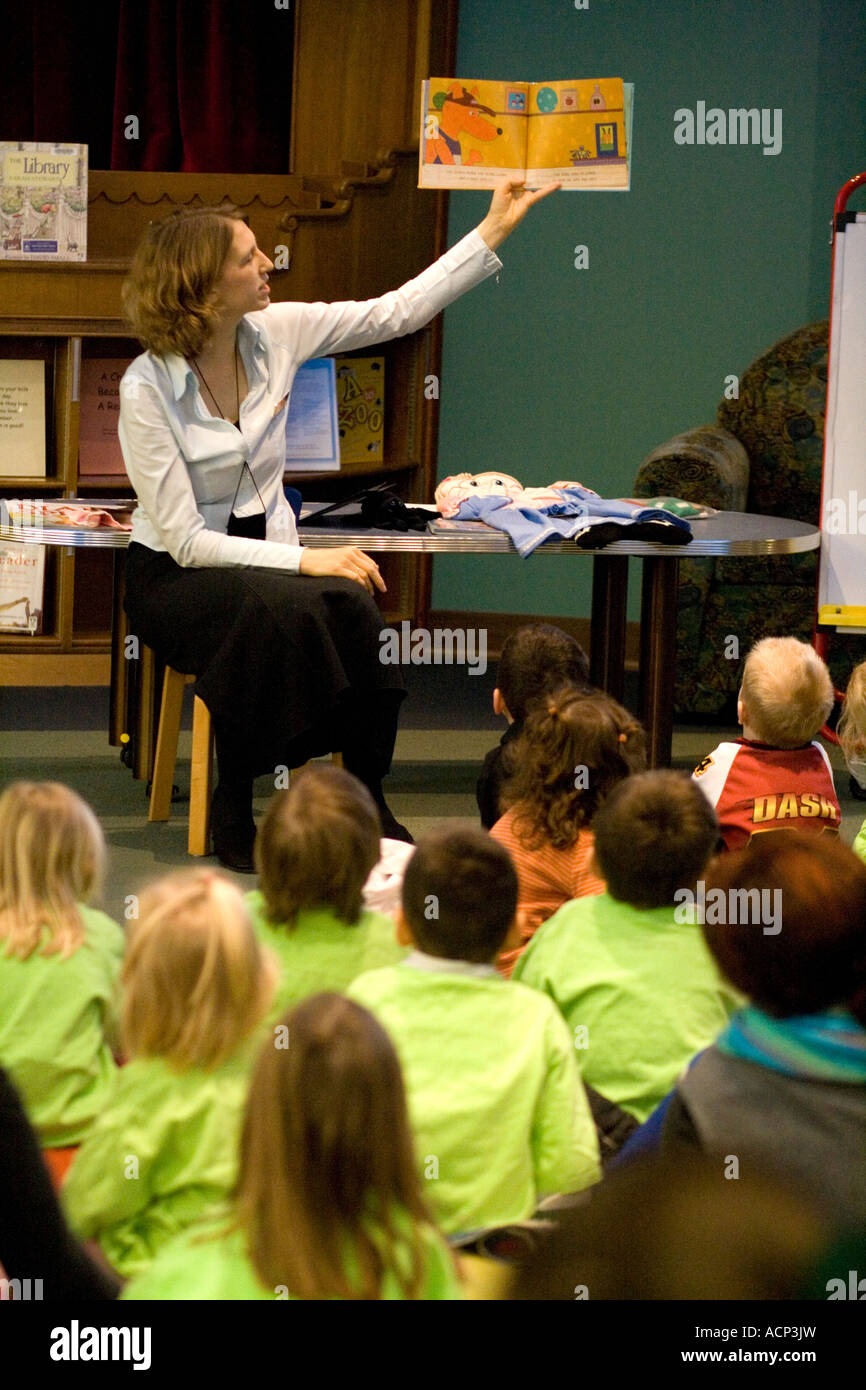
474,133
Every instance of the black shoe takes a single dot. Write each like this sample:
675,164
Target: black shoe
858,792
233,830
392,829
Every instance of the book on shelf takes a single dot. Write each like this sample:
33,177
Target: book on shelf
99,451
361,408
312,438
43,201
22,417
475,133
22,586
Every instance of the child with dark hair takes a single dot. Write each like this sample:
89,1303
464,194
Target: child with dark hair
315,848
629,971
536,660
784,1086
498,1111
328,1202
574,749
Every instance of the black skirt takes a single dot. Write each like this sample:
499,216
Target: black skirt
288,665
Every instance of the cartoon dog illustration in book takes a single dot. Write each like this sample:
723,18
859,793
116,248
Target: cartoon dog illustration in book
460,113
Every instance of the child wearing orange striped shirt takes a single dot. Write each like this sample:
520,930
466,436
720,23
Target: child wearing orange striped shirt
573,751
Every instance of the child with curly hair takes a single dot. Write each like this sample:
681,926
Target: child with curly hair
574,750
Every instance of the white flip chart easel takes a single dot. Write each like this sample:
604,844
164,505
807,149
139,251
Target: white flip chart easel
842,573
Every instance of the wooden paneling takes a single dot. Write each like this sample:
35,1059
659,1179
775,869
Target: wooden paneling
358,72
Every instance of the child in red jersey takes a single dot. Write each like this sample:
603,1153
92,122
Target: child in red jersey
776,776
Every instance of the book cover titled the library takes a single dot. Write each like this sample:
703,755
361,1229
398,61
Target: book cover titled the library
43,202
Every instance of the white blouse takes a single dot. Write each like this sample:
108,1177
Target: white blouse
185,463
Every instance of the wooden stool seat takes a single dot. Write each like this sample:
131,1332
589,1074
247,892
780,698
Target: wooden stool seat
201,767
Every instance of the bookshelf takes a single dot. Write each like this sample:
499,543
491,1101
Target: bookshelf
43,317
354,225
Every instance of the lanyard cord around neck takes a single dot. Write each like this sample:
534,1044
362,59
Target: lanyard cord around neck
237,387
245,464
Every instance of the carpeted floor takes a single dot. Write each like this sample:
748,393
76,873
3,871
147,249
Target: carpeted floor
447,726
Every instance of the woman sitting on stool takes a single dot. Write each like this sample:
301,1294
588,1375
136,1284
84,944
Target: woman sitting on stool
283,640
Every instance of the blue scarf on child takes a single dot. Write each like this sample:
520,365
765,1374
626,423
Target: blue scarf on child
820,1047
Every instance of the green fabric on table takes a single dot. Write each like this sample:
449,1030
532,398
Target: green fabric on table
161,1157
320,952
643,986
58,1021
498,1112
211,1263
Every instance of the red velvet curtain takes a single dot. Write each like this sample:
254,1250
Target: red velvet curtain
208,84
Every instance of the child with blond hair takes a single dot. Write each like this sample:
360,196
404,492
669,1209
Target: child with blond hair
851,731
574,749
776,776
196,987
60,961
316,847
328,1202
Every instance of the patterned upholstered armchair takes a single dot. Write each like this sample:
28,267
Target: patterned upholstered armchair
764,455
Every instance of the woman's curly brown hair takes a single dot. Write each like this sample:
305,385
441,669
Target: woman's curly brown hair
168,295
573,750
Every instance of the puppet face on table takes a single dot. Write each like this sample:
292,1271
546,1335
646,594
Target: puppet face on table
452,491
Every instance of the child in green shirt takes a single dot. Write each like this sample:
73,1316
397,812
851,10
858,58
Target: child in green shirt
328,1202
314,851
629,970
498,1111
59,961
163,1153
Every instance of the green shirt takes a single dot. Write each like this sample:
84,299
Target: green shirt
497,1109
58,1019
161,1157
321,952
639,991
859,845
210,1263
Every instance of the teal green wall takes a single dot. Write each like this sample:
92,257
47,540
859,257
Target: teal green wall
714,254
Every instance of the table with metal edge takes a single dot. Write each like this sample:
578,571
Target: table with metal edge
725,533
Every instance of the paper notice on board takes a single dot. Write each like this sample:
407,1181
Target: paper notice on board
312,439
22,417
